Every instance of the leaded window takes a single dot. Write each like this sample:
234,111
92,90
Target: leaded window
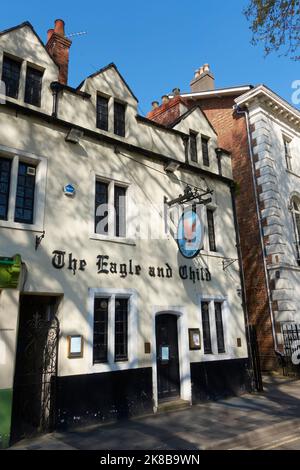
211,230
5,172
193,147
110,209
121,329
101,212
119,118
25,194
205,153
11,76
219,327
120,210
33,86
100,330
102,113
206,328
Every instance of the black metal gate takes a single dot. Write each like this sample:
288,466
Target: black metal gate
291,349
36,367
254,358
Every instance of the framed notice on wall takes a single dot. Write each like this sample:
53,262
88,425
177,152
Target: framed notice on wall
194,338
75,346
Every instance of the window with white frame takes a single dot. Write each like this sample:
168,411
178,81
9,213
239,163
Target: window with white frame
110,208
110,328
212,326
295,210
21,198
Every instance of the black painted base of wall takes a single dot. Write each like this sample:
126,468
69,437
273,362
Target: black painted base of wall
218,379
108,396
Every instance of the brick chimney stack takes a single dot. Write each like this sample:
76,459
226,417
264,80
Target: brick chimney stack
203,80
58,47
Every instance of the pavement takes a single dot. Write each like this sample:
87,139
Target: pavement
266,420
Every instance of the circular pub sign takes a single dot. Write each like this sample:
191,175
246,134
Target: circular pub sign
189,234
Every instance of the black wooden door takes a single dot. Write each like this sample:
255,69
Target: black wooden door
168,380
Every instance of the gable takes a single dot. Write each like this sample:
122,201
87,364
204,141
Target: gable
23,42
110,82
195,120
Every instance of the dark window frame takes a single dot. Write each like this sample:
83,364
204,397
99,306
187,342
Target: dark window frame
102,333
11,73
121,329
219,327
102,117
33,86
98,201
119,118
5,183
193,147
210,214
205,150
206,332
25,194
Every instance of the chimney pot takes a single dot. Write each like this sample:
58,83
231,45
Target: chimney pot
155,104
201,70
165,99
59,27
176,91
203,80
206,68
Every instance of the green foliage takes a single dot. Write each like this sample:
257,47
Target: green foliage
277,24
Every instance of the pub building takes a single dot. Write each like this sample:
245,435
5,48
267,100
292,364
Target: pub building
104,313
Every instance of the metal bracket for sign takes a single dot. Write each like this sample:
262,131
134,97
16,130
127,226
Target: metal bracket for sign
190,194
228,262
38,240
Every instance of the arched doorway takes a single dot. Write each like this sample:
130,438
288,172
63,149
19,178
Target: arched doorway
167,357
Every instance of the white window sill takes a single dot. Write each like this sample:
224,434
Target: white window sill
19,226
124,241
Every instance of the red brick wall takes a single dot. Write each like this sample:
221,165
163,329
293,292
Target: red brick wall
232,135
168,112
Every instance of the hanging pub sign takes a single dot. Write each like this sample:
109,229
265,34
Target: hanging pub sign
189,234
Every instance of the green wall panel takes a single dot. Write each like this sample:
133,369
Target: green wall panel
5,417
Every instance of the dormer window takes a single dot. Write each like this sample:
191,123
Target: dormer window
193,147
102,113
119,118
11,76
33,86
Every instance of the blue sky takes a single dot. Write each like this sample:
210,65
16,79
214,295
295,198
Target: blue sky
158,44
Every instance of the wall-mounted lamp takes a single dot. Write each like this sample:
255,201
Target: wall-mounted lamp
74,135
172,167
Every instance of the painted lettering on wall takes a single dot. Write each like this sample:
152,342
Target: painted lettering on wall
106,266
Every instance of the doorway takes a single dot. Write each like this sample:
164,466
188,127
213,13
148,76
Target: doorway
167,360
36,366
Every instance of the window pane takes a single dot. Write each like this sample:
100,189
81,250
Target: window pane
205,154
120,211
33,86
100,199
206,328
25,194
11,76
121,329
5,168
193,147
119,119
100,330
219,327
211,230
102,113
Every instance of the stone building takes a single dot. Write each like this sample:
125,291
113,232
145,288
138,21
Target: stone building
103,314
261,130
